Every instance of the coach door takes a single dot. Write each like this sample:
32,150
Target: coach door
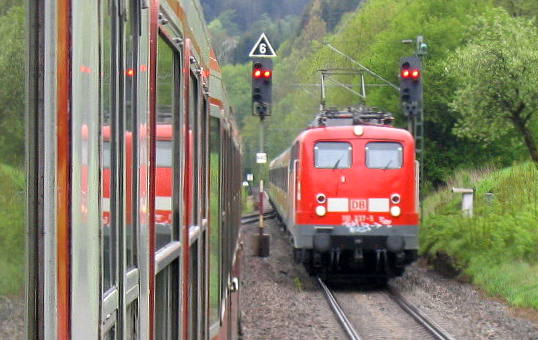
124,157
169,202
293,183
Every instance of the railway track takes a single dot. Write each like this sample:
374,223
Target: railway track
426,323
339,312
431,326
255,217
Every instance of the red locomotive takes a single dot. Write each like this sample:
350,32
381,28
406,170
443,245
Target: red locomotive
347,192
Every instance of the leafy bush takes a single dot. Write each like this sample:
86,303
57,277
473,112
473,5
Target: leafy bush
498,247
12,234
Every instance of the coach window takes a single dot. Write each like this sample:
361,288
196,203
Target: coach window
195,248
168,191
332,155
164,181
108,226
214,218
383,155
130,143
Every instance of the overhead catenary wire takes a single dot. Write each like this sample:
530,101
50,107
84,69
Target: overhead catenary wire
366,69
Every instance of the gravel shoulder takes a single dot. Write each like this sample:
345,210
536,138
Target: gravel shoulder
279,300
462,309
12,317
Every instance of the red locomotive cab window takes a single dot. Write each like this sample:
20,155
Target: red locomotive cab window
384,155
332,155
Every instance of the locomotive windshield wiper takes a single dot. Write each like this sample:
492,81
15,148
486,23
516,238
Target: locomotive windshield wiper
387,166
337,162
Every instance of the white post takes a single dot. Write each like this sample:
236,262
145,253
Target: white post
467,200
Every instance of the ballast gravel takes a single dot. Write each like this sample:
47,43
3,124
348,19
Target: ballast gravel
462,309
12,317
279,300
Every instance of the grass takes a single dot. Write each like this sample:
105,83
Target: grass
498,247
214,231
12,245
248,203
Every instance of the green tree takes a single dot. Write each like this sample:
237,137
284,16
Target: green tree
528,8
7,4
497,81
12,92
372,35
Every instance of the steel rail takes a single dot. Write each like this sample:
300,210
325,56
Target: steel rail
431,326
342,318
255,218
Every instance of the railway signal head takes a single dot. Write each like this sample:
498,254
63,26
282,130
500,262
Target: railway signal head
410,85
262,78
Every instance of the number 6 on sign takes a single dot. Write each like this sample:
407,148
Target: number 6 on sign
262,48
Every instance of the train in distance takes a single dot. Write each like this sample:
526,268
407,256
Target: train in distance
347,192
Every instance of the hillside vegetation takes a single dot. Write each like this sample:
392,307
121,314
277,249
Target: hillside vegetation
498,246
481,84
12,193
372,34
12,201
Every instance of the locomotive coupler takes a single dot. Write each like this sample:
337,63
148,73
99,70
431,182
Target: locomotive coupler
358,256
382,262
316,259
337,253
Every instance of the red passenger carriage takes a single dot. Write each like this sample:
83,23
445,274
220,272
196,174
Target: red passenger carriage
133,189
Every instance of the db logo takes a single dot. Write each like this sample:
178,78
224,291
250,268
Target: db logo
358,205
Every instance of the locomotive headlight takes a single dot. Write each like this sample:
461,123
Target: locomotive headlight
395,211
320,210
358,130
395,198
321,198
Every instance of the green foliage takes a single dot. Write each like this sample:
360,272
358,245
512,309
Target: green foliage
527,8
12,58
250,11
514,281
372,36
499,242
502,99
8,4
233,33
247,202
12,234
214,235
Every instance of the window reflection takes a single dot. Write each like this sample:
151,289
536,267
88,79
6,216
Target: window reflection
384,155
130,27
214,219
108,226
164,181
332,155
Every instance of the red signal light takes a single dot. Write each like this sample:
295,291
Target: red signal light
267,74
130,72
257,73
414,74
